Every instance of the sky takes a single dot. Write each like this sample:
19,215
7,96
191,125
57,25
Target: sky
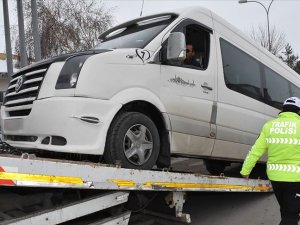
284,14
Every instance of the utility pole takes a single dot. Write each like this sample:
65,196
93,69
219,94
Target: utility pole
9,60
36,36
142,8
23,54
268,20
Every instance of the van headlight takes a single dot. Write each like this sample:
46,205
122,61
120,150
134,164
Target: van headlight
70,72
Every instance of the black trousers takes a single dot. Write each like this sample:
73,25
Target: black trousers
288,197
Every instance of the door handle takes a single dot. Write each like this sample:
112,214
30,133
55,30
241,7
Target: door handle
205,86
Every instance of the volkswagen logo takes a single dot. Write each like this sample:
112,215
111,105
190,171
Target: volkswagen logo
19,83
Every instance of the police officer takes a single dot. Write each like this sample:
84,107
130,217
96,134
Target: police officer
281,138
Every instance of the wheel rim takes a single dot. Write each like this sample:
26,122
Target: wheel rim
138,144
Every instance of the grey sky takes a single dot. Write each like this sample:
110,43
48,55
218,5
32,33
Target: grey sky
284,14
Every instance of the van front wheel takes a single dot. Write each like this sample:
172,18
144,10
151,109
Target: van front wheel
133,140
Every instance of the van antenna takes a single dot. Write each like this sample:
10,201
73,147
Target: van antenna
142,8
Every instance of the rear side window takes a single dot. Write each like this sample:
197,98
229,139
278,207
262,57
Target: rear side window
241,71
277,88
295,91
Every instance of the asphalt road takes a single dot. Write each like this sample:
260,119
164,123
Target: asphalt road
214,208
217,209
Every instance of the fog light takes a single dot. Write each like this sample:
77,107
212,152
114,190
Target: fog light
46,141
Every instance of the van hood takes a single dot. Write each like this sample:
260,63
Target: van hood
128,56
62,58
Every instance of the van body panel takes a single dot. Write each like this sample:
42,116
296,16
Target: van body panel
238,124
187,102
193,145
116,71
138,94
233,151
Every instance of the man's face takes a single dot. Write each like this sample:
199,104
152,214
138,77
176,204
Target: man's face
189,51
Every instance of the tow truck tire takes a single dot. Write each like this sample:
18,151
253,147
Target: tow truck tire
133,141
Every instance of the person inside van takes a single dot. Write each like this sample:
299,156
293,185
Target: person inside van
190,56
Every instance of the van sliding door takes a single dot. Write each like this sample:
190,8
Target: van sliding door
240,107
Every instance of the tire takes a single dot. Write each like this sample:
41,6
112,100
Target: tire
215,167
132,140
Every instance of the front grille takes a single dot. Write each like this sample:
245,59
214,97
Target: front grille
18,101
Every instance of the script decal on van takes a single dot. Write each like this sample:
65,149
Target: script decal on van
180,81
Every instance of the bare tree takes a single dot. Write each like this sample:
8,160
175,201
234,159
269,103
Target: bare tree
66,25
277,38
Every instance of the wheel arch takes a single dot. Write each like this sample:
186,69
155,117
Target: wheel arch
150,105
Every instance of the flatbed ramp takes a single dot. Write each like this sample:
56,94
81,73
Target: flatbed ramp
116,182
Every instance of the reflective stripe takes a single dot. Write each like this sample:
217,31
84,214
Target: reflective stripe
187,186
285,141
40,178
284,168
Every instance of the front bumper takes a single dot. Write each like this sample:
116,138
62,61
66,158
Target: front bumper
71,118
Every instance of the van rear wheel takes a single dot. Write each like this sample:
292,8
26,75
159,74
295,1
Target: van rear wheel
133,140
215,167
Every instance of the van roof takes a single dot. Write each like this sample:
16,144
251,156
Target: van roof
192,10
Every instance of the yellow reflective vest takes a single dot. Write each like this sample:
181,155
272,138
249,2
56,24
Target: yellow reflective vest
281,138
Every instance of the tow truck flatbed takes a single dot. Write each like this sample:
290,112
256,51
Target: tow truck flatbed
29,171
35,172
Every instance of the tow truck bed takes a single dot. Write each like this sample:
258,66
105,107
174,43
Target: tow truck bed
28,171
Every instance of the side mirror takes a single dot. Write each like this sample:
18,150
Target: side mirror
176,46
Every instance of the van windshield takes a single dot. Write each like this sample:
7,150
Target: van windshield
134,34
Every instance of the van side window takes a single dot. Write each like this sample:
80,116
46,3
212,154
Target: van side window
241,71
197,46
277,88
295,91
199,39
